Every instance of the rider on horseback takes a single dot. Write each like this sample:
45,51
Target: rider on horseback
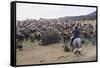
75,34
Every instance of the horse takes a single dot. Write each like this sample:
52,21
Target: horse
77,46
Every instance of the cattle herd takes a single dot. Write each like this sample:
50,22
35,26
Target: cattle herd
32,30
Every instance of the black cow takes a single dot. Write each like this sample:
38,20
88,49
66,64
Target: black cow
19,46
20,38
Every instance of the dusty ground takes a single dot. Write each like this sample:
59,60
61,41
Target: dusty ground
34,54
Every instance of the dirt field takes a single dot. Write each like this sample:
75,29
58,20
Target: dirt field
34,54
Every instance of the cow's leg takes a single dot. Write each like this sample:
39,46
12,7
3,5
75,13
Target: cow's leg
20,47
66,47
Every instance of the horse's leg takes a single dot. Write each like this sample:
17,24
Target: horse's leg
78,51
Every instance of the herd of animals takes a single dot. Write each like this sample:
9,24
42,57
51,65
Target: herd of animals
28,30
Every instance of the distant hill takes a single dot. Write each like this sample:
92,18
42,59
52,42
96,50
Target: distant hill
92,14
81,17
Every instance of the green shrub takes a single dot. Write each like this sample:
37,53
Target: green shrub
50,37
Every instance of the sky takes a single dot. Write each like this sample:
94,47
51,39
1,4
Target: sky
37,11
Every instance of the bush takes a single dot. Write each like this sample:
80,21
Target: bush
50,37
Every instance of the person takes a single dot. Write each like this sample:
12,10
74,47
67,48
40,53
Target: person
75,34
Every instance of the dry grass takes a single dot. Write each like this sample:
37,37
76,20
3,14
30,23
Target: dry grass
34,54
